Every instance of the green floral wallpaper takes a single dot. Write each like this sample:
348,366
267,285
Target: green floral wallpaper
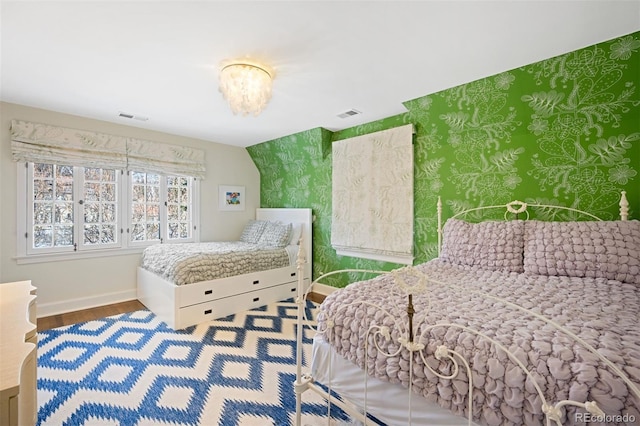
564,131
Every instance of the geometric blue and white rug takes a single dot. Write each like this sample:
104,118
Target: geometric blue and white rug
131,369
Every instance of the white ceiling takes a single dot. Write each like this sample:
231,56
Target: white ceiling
161,59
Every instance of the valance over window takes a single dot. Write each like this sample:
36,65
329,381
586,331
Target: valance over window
373,196
42,143
154,157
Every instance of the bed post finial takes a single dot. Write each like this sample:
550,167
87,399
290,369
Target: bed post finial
624,206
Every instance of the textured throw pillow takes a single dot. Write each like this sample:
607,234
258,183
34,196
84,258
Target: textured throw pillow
275,234
493,245
253,231
607,249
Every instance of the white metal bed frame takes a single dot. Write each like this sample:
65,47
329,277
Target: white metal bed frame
553,411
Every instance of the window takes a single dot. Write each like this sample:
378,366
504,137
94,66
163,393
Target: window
82,209
100,200
145,207
51,208
149,222
179,207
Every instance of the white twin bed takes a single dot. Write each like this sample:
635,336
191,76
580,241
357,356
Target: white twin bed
185,286
517,322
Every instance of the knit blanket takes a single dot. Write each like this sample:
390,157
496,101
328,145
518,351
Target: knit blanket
464,308
188,263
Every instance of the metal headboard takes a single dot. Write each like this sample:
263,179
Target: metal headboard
517,207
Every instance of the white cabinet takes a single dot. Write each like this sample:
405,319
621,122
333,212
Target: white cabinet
18,354
205,301
182,306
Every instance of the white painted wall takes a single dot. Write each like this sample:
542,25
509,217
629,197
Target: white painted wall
71,285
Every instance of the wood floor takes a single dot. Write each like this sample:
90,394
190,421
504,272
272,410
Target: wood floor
54,321
47,323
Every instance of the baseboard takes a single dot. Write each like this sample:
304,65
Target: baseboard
57,308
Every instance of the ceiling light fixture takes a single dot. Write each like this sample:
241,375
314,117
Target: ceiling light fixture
246,87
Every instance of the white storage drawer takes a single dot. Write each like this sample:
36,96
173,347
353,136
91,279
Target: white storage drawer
188,295
220,308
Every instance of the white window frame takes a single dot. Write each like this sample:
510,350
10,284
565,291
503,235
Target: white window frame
80,211
29,234
190,210
124,246
164,222
129,222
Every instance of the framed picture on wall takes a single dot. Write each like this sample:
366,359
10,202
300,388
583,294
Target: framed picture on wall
232,197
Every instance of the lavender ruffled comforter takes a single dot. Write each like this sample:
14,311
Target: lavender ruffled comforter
604,313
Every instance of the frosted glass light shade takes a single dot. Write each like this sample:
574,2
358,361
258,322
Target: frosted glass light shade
246,87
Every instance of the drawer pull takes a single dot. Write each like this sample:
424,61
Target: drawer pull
293,289
256,282
207,312
208,291
293,274
255,299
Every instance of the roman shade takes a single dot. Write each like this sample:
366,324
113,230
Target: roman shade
372,196
154,157
43,143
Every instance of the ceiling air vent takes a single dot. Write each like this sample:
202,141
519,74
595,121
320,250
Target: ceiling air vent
349,113
132,116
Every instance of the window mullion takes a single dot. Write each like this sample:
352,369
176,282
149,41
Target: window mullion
128,211
195,209
124,207
78,208
164,220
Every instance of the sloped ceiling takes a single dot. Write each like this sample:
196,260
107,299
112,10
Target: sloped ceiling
161,59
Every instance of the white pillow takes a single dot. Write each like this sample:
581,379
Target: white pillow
252,231
275,234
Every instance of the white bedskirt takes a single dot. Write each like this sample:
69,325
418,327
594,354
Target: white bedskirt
386,401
